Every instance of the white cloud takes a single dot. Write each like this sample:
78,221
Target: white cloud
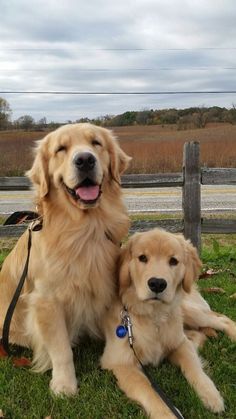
59,44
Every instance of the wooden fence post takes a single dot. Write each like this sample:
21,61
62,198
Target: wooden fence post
192,193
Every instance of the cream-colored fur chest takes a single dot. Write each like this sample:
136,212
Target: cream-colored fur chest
81,279
156,337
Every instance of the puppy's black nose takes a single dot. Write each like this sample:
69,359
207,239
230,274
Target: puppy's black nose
85,161
157,284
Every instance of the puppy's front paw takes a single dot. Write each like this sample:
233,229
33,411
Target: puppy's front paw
162,415
161,412
63,387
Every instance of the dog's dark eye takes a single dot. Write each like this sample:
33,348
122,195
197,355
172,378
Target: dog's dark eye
96,142
143,258
61,148
173,261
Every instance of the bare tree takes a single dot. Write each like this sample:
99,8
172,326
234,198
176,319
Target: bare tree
5,114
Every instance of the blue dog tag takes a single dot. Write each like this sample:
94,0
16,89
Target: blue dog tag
121,331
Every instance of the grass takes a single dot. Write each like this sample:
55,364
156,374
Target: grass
25,395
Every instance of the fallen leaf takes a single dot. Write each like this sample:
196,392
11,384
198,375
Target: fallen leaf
233,296
213,290
17,362
3,353
1,414
48,417
209,272
21,362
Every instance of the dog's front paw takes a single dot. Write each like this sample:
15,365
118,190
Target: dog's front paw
63,387
214,401
232,331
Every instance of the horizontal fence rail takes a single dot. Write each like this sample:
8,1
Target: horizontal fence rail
209,176
160,180
14,183
218,176
190,179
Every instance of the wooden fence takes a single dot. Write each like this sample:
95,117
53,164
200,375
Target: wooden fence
192,177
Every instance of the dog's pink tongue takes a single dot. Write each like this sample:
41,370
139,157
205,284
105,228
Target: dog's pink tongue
88,193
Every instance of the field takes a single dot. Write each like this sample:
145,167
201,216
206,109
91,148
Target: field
154,148
25,395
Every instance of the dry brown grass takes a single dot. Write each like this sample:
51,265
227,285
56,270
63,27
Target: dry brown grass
153,148
160,149
16,151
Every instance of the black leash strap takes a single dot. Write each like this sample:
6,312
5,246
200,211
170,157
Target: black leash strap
160,392
158,389
15,298
11,308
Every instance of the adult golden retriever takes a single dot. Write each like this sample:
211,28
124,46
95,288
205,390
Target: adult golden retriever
157,269
71,276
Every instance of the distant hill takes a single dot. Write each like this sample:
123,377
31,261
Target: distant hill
195,117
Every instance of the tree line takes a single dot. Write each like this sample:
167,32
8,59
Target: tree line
193,117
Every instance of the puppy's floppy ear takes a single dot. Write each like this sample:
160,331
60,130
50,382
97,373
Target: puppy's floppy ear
119,159
38,173
124,274
192,266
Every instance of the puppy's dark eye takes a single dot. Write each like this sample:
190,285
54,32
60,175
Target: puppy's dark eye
173,261
61,148
143,258
96,142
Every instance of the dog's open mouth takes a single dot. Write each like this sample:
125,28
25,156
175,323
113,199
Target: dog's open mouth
87,192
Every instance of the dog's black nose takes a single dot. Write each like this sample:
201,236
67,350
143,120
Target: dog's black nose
157,284
85,161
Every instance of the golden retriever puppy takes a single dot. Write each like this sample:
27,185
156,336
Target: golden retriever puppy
71,276
156,269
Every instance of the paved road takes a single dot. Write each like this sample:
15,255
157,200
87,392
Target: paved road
214,198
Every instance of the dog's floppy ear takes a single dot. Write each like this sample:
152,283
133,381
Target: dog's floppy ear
124,274
119,159
38,173
192,266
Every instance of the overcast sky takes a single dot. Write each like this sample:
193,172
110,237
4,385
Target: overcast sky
115,46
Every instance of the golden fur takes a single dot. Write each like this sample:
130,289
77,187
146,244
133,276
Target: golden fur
71,277
157,319
202,321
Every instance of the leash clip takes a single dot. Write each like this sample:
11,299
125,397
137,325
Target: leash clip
126,321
